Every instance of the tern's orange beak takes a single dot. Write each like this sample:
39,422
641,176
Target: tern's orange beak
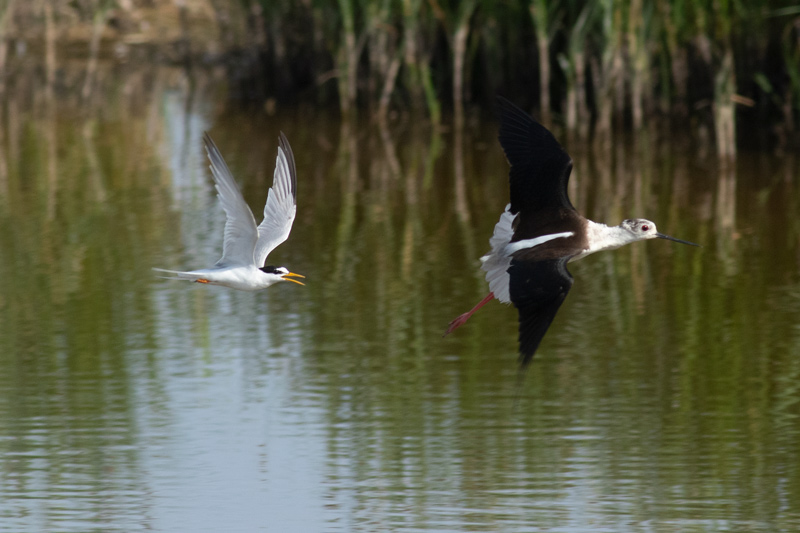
288,277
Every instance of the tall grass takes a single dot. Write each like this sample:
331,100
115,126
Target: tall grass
600,65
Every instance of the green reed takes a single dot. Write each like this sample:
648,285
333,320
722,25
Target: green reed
605,64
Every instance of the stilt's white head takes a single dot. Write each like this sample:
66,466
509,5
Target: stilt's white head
641,229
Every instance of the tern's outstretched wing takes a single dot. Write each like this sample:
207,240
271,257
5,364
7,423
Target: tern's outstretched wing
281,206
537,290
240,227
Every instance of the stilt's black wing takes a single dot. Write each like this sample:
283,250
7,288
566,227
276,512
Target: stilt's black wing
537,290
540,167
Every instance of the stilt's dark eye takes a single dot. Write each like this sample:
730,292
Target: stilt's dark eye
645,227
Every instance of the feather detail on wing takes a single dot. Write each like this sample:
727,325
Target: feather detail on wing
537,289
496,263
540,167
240,227
281,206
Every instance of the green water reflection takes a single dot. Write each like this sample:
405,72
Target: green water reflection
664,398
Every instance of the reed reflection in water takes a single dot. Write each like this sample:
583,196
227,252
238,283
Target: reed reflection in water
664,398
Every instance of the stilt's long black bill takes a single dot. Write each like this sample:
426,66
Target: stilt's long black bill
662,236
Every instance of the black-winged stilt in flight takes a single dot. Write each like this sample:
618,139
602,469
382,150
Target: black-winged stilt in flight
246,246
540,231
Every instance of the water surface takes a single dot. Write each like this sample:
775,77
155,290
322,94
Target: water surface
664,398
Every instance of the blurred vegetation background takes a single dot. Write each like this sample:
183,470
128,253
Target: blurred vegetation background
592,67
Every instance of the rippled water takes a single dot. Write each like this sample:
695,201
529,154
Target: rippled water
664,398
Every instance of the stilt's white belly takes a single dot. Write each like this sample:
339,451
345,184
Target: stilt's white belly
494,263
498,260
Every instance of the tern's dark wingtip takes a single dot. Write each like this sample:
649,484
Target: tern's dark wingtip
209,142
283,144
282,139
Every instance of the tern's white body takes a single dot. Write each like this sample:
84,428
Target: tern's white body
242,278
246,246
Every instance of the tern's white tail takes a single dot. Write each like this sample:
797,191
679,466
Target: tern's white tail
179,275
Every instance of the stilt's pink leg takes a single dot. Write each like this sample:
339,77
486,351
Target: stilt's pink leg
461,319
